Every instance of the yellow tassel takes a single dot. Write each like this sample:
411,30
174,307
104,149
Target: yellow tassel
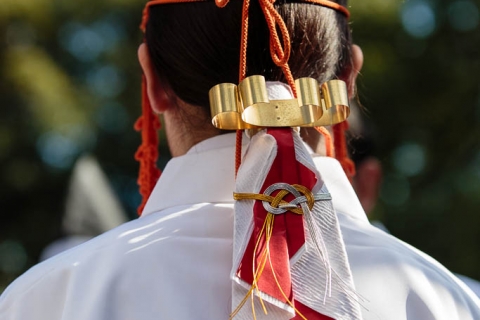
267,230
264,256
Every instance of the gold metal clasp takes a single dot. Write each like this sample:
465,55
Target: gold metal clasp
247,106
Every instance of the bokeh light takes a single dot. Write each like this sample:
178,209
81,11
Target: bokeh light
463,15
111,30
57,150
112,117
80,41
106,81
87,42
409,159
418,18
60,149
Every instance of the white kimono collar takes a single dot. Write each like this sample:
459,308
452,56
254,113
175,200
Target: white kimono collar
205,174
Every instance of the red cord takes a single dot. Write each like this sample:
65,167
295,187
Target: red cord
341,151
328,140
147,152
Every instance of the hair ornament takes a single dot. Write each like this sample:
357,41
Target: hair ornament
247,106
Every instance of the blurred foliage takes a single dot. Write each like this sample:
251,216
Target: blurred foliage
70,85
421,86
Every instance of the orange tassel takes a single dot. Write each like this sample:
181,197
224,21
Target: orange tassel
147,153
341,151
238,150
328,140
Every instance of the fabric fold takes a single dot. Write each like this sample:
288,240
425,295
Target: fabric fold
302,267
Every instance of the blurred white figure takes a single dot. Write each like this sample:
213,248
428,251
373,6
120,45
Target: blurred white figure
91,207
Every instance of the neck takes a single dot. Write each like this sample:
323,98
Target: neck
185,126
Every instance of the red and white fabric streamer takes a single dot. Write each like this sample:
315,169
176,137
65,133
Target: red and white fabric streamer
307,273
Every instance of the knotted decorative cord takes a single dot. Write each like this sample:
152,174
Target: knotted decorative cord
279,54
275,205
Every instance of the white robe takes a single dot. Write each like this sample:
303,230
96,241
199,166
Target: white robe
174,262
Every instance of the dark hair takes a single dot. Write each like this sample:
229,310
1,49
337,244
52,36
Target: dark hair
195,46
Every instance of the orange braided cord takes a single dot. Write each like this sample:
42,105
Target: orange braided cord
243,41
341,151
279,54
238,150
328,140
147,153
241,72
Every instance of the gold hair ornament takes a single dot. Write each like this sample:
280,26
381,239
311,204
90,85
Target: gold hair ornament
247,106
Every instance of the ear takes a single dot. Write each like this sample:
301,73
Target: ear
159,99
357,63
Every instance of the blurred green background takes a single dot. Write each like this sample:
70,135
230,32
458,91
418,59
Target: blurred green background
70,85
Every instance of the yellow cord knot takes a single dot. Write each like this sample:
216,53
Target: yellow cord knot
276,204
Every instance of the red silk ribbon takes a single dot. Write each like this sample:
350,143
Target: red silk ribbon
288,230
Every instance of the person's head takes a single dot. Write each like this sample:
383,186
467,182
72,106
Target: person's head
191,47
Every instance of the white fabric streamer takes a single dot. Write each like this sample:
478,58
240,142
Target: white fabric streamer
321,276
